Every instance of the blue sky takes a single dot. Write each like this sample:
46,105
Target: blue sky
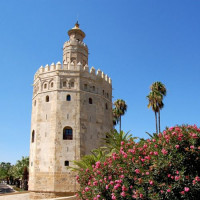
135,42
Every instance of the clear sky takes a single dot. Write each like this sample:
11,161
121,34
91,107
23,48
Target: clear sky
135,42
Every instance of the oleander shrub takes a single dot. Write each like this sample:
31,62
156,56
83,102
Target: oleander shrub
167,166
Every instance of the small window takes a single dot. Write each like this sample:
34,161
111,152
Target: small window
90,100
52,84
67,133
72,84
47,98
103,92
33,136
85,86
107,95
106,105
64,84
93,88
35,103
66,163
68,97
45,86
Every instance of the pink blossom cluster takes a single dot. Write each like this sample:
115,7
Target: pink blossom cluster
163,167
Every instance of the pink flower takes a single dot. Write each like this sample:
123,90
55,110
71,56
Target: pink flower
164,151
98,164
122,142
107,187
177,146
192,147
186,189
168,190
177,178
137,171
155,153
141,196
113,197
87,189
182,192
123,194
147,173
151,182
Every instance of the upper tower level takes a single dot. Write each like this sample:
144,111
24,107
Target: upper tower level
75,50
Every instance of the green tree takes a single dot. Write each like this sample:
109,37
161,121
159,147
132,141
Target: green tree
113,140
155,98
159,88
4,170
119,110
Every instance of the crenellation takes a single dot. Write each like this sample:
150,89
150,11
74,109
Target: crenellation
92,70
58,65
72,67
86,68
46,68
52,67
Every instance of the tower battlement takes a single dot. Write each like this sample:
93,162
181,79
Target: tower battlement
69,67
69,42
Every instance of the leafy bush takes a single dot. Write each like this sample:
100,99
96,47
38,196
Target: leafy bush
163,167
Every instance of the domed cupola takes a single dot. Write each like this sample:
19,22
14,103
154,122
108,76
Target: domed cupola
75,50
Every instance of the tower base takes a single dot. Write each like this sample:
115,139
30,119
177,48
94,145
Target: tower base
52,195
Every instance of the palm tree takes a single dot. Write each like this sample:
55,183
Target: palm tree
155,97
119,110
113,140
161,89
153,104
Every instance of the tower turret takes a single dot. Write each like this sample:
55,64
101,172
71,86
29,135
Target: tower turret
75,50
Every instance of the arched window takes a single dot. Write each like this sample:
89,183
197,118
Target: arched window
93,88
72,84
64,84
68,98
45,86
85,86
67,133
51,84
47,98
90,100
33,136
106,105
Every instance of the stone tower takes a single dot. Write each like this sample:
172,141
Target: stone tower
71,111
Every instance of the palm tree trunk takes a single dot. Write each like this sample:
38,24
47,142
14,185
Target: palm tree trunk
156,122
159,120
120,123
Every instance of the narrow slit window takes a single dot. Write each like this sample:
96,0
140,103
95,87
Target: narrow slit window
106,106
33,136
52,84
47,98
64,84
45,86
90,100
